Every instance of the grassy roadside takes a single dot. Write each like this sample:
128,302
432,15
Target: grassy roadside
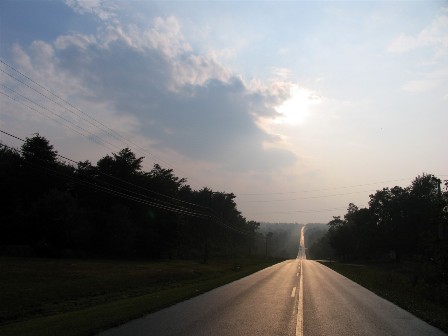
73,297
400,285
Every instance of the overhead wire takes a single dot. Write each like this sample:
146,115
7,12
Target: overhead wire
167,206
111,191
216,217
112,133
99,140
304,211
104,128
122,180
311,197
39,108
240,231
325,189
55,120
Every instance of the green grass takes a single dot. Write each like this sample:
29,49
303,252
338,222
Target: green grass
75,297
404,286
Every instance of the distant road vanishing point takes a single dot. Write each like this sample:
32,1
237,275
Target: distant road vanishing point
293,298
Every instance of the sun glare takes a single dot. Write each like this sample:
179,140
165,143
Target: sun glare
296,109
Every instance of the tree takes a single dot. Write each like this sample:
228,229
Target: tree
253,227
389,213
341,238
38,150
162,179
123,164
41,171
53,220
321,249
10,182
269,236
113,208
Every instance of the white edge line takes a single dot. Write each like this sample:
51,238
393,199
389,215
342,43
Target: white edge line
299,327
293,294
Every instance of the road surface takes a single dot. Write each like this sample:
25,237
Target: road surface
294,298
335,305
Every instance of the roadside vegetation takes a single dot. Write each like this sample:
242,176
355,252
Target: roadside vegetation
56,207
84,247
82,297
397,246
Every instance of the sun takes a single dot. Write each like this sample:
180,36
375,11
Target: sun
295,110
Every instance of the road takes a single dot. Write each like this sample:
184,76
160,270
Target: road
260,304
335,305
296,297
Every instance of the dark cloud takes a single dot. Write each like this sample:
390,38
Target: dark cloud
212,120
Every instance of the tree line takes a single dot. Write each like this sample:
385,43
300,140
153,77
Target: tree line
282,239
54,208
399,224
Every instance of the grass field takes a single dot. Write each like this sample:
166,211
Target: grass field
78,297
401,285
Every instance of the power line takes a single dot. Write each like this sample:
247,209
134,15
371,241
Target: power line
122,180
311,197
61,117
55,120
246,233
58,104
88,139
104,128
57,99
324,189
303,211
167,206
13,136
193,204
172,208
207,208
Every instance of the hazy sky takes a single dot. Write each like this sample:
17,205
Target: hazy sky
297,107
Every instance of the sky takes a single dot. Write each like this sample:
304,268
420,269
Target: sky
297,107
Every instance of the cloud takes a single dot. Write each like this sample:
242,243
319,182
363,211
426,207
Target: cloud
435,35
403,44
436,79
282,73
77,40
183,101
100,8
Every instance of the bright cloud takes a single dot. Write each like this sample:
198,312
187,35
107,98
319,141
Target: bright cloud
435,35
295,110
261,97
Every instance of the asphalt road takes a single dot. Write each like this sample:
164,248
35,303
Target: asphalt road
264,303
335,305
296,297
